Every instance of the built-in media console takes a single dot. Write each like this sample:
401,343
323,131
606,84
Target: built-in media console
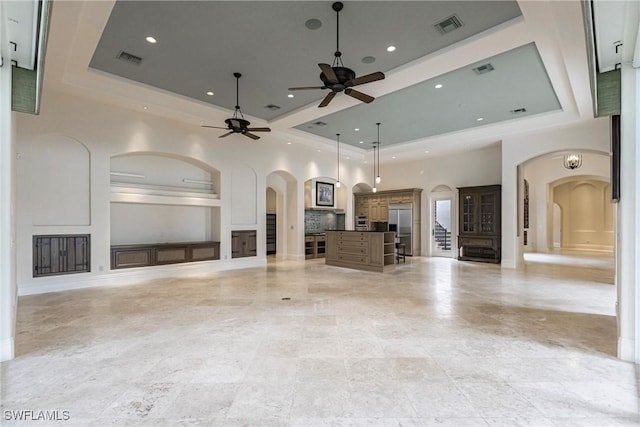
144,255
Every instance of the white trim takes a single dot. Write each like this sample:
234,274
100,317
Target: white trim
626,349
134,275
6,349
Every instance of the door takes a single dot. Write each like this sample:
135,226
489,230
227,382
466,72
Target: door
442,227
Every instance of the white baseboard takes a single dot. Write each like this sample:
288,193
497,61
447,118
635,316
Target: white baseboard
627,350
6,349
130,276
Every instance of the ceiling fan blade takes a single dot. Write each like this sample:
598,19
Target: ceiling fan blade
359,95
225,135
328,73
213,127
259,129
306,88
327,99
250,135
366,79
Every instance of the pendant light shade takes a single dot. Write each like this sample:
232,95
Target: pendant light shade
338,161
378,179
374,168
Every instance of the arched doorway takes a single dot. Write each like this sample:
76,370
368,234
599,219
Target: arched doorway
442,224
282,203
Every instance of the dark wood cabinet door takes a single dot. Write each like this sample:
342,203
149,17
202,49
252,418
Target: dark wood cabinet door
243,243
61,254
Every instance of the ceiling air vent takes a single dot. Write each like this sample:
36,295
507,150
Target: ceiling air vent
519,111
319,123
483,69
272,107
129,57
449,24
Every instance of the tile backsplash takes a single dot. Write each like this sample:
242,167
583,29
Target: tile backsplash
320,221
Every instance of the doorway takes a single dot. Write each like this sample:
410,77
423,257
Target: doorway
442,227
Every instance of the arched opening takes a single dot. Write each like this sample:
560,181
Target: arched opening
585,221
442,214
282,203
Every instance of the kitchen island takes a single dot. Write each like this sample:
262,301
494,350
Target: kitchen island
362,250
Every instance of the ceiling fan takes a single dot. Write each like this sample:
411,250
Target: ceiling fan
339,78
238,124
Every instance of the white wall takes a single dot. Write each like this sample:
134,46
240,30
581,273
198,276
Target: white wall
145,223
108,132
8,292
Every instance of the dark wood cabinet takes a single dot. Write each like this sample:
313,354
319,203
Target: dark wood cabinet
145,255
61,254
243,243
480,229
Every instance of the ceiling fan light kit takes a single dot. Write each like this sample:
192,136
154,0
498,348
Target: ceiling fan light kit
339,78
237,123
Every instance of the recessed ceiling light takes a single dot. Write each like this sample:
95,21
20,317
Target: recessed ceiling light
144,107
348,158
393,157
288,143
318,151
361,142
357,129
290,95
391,48
210,93
313,24
150,39
479,119
438,86
368,60
426,151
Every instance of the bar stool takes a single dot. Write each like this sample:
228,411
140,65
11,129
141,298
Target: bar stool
401,249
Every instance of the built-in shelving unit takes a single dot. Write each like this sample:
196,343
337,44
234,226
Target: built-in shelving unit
315,246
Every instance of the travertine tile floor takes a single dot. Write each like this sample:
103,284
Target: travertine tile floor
437,342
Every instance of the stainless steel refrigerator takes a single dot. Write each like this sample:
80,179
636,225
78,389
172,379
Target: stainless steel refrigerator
401,221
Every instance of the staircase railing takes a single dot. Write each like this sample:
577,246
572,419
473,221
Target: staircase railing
442,236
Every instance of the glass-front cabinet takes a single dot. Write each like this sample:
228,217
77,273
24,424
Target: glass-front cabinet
479,223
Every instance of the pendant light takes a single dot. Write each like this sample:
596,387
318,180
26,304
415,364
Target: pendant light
374,168
378,179
338,162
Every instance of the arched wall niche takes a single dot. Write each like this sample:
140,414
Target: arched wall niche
340,194
587,213
168,170
54,189
163,198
